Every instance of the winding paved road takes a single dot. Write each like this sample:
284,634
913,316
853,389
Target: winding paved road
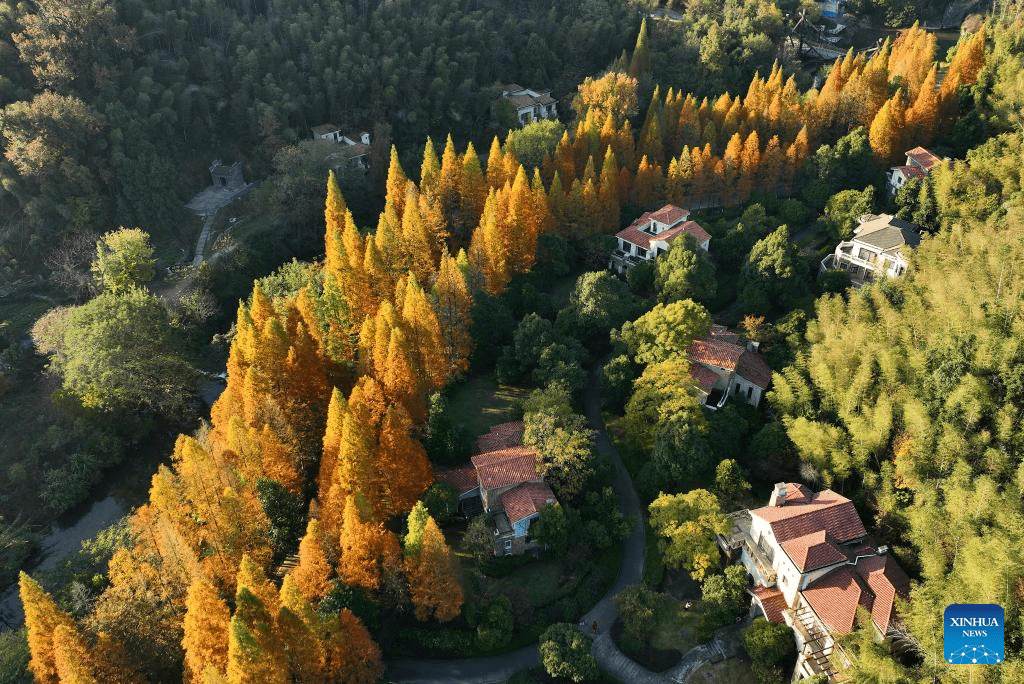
500,668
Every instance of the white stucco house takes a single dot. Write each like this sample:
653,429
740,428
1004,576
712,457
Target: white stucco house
723,366
920,163
881,246
813,565
357,145
530,105
651,234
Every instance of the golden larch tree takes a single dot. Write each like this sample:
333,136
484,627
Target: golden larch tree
205,640
312,574
72,657
434,578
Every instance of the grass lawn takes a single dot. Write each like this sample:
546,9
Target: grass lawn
729,671
676,627
480,402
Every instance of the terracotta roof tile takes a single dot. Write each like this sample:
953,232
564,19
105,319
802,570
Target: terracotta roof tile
910,172
506,467
835,598
501,436
826,510
923,158
704,377
463,479
754,368
715,352
525,500
670,214
772,601
723,333
886,580
813,551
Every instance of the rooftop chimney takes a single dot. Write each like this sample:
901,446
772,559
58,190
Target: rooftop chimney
778,495
882,550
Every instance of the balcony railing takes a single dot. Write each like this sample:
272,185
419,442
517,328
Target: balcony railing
739,537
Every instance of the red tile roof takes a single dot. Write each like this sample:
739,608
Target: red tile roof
813,551
835,598
506,467
525,500
886,580
874,582
772,602
689,228
670,214
911,172
925,159
805,513
715,352
501,436
704,377
754,368
723,333
463,479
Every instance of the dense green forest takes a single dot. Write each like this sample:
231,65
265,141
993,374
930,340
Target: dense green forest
112,110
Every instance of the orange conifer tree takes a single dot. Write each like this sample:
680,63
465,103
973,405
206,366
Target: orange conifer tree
71,656
312,573
205,640
433,578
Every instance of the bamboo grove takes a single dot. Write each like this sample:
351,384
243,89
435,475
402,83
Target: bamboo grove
327,389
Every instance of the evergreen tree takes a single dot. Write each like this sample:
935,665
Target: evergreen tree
396,184
417,523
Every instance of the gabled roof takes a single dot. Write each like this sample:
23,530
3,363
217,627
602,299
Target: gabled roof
804,513
886,580
874,582
525,500
772,601
813,551
835,598
323,129
522,101
715,352
754,368
923,158
704,377
463,479
910,172
670,215
506,467
686,228
723,333
501,436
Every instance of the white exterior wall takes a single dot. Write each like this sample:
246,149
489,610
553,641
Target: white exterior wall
740,386
787,575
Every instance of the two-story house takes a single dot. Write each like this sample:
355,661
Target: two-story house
813,566
880,246
530,105
651,235
503,482
920,163
722,366
357,145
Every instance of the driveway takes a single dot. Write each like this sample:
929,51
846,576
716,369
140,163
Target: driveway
614,662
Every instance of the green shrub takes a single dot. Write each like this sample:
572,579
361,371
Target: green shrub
69,484
768,643
14,657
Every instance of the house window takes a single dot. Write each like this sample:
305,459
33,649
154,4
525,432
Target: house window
622,245
508,547
887,265
750,392
641,252
867,255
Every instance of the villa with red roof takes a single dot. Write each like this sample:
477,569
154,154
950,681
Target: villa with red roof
722,367
503,482
813,567
651,235
920,163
